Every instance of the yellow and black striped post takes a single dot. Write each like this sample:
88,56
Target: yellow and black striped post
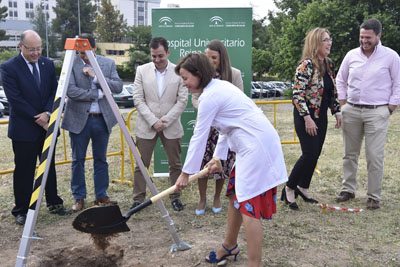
48,150
45,157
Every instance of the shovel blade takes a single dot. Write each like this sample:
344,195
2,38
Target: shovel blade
101,220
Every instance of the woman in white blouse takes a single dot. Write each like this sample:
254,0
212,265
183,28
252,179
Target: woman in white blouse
218,55
245,130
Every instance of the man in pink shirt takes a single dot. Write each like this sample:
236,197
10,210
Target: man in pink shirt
368,84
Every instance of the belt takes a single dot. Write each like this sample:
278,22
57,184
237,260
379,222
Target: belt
366,106
95,114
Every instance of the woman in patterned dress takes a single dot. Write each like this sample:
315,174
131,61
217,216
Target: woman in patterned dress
219,57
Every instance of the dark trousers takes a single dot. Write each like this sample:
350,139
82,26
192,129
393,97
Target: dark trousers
25,159
311,147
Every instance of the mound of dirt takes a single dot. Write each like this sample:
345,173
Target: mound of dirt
112,256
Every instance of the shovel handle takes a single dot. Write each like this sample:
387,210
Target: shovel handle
192,178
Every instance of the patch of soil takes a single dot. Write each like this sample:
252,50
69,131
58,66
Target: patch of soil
147,244
78,257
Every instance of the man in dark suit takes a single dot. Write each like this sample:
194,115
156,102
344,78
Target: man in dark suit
88,116
30,84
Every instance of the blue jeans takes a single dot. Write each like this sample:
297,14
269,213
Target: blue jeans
96,130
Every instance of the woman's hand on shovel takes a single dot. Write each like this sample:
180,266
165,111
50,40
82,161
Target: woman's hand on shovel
214,165
182,181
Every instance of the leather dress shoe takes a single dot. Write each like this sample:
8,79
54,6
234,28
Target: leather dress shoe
105,201
345,196
177,205
372,204
59,210
20,219
79,204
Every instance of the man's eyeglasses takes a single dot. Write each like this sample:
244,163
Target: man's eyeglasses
32,49
327,40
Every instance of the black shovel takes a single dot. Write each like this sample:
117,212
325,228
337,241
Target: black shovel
109,220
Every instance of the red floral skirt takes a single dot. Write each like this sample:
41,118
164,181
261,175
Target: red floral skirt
260,207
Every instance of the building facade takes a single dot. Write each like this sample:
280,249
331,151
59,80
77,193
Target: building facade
136,12
119,52
20,12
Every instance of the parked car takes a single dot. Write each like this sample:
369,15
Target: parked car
281,85
125,98
4,101
270,90
289,85
255,90
1,110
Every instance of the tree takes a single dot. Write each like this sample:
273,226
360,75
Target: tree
3,16
261,61
7,54
39,21
287,29
291,7
66,20
139,52
260,37
110,24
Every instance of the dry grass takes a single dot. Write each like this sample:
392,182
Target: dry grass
305,238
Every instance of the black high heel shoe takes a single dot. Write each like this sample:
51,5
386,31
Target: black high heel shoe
292,205
297,192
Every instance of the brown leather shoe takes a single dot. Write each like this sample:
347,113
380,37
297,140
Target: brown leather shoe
344,196
372,204
105,201
79,203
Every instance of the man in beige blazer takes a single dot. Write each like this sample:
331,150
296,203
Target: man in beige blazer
160,99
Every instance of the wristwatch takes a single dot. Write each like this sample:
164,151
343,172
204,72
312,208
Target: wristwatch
48,114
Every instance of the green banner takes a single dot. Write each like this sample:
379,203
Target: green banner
189,30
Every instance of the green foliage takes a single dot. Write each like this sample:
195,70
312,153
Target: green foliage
58,69
288,93
287,29
125,74
66,21
3,16
110,24
140,37
7,54
261,61
139,52
260,37
39,20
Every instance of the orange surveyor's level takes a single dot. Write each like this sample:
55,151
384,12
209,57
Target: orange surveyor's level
81,45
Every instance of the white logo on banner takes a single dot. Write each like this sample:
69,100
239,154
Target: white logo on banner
165,22
216,20
191,124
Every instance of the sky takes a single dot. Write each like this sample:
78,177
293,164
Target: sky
260,7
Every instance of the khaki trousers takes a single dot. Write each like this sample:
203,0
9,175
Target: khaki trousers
371,124
146,147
